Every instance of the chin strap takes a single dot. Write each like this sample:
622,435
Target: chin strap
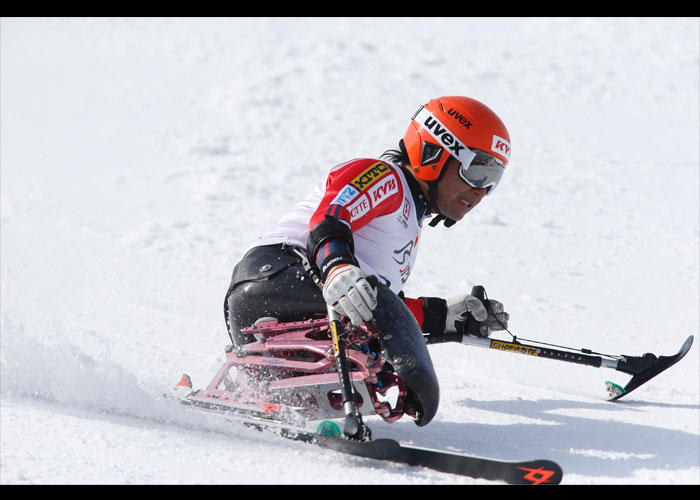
438,218
432,195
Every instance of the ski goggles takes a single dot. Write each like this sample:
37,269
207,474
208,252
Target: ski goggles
483,171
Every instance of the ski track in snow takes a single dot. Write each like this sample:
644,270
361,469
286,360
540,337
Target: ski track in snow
140,157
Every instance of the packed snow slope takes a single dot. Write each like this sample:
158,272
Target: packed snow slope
140,157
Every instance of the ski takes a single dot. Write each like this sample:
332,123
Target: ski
517,472
328,436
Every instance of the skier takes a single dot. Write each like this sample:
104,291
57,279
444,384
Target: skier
358,233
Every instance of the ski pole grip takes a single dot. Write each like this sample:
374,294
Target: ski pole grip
473,327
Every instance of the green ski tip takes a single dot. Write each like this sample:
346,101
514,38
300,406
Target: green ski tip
614,390
328,428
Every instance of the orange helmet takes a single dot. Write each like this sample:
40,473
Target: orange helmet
453,126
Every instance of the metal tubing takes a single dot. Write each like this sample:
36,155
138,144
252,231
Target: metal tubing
541,352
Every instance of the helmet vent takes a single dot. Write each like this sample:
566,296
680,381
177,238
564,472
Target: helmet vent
430,154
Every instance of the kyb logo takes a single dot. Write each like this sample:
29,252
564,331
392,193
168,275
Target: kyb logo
383,189
501,146
370,175
440,132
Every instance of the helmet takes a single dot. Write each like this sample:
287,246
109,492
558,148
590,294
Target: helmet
460,127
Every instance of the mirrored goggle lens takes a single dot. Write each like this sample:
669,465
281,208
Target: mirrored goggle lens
484,171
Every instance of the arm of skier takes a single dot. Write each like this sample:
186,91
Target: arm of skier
445,320
356,193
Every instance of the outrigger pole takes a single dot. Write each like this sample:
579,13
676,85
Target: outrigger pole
642,368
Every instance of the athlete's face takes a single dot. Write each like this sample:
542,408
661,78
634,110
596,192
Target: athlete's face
454,196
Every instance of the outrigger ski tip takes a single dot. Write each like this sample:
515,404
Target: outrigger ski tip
644,368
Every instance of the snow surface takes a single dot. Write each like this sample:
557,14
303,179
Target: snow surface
140,157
